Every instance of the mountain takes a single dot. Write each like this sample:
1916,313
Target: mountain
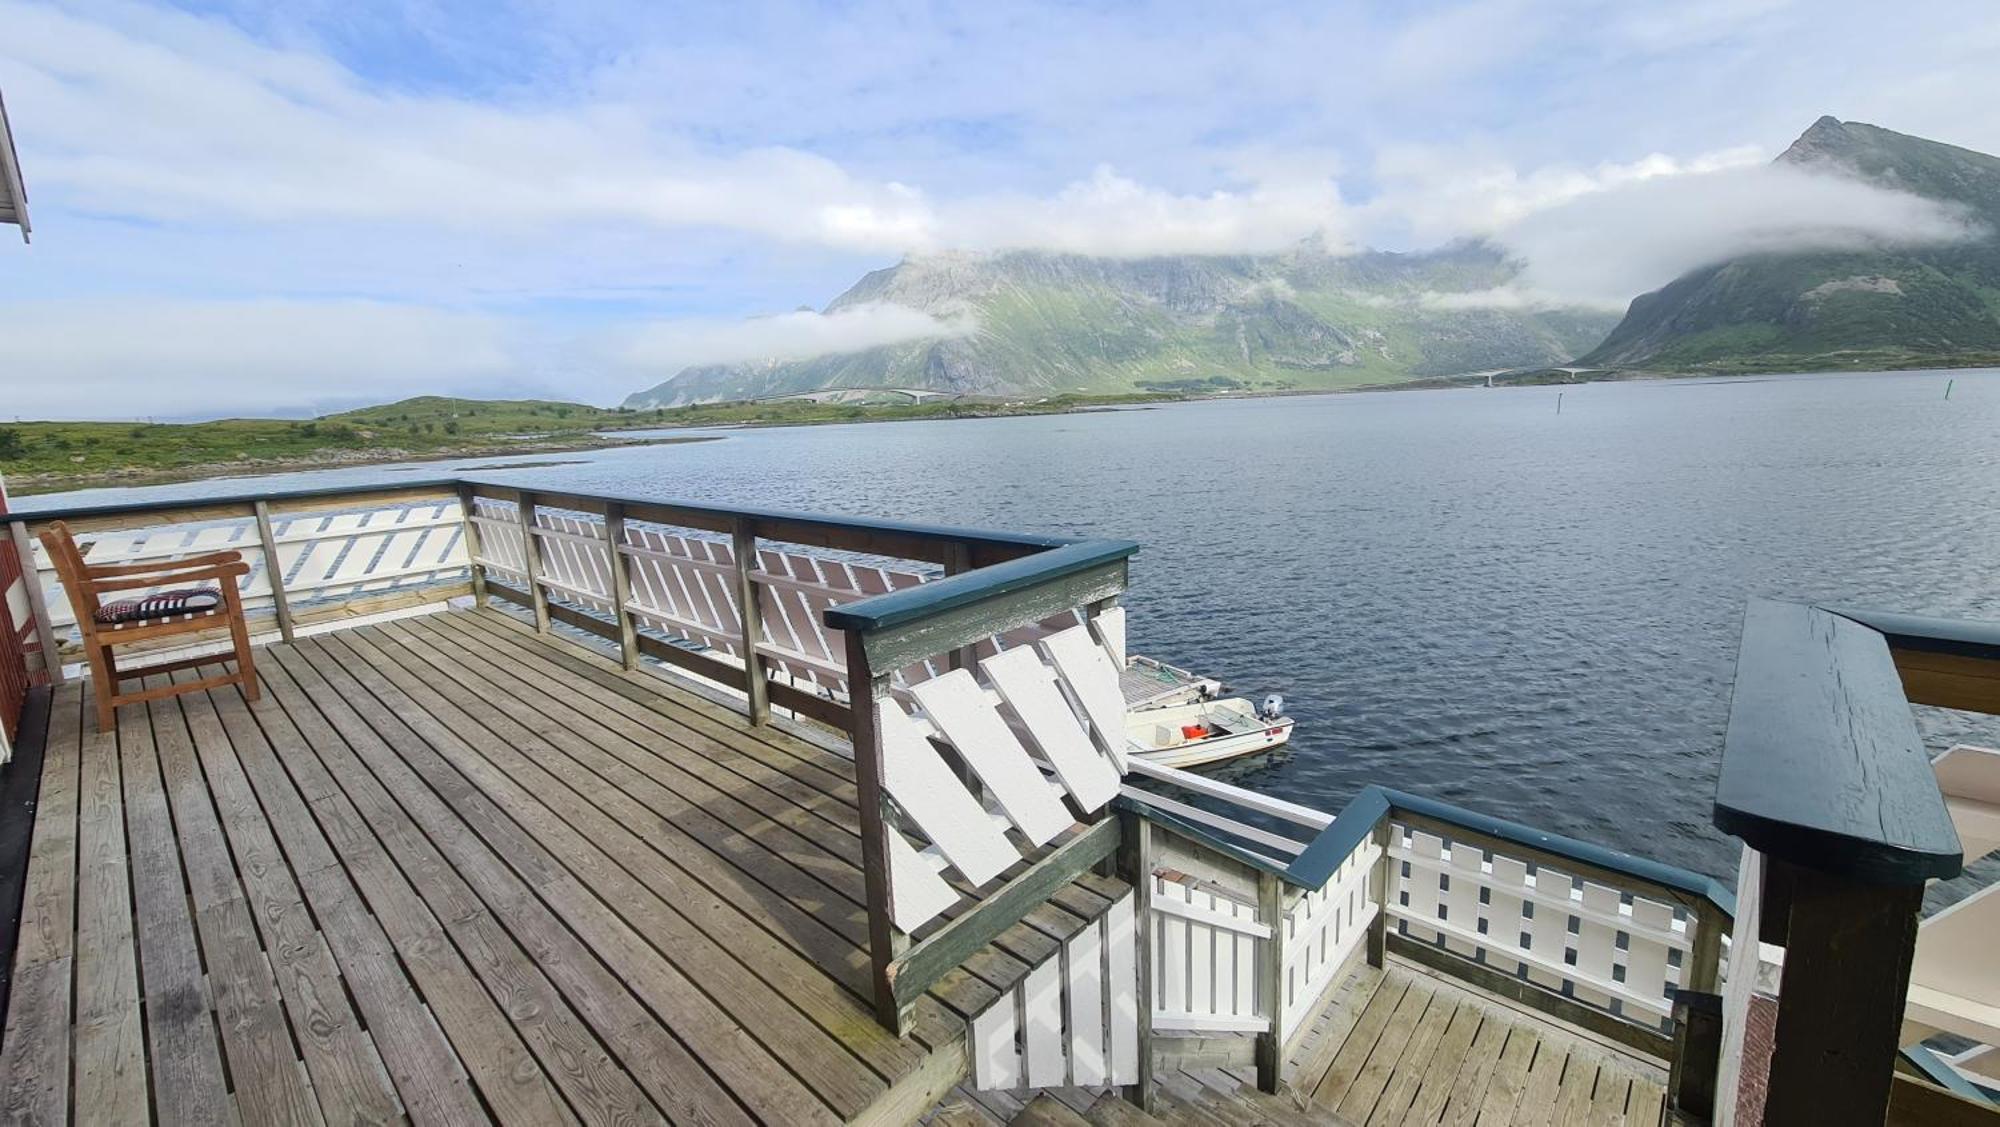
1878,308
1049,323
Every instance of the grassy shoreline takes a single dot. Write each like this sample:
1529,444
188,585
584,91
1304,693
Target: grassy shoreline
55,457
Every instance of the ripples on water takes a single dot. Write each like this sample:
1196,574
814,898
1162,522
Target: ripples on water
1460,593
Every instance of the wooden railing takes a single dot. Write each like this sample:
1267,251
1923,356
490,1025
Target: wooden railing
1826,779
1070,708
317,559
1599,938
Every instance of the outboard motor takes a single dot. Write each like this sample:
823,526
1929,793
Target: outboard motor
1274,707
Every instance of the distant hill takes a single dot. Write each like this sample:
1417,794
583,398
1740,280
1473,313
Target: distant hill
39,457
1051,323
1888,308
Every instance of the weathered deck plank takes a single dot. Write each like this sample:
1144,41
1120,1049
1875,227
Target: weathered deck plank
110,1042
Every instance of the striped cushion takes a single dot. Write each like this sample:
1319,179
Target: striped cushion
188,603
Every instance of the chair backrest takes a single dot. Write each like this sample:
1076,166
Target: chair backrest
68,561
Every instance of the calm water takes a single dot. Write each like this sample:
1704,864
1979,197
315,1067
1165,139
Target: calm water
1461,593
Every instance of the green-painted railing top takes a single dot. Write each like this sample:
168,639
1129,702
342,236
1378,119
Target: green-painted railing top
1822,763
913,604
1367,809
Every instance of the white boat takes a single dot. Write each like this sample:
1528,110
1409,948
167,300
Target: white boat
1180,719
1203,731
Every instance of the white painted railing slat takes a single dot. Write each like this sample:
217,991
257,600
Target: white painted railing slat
1029,689
956,705
917,778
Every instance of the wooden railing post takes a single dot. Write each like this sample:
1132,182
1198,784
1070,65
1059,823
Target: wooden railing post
1705,954
1841,997
750,603
1271,980
274,570
473,555
886,942
1135,865
1384,881
38,603
531,561
621,584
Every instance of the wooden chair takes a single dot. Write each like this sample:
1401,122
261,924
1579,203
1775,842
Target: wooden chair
152,619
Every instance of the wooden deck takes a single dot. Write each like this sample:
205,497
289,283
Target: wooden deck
1394,1046
451,870
1403,1045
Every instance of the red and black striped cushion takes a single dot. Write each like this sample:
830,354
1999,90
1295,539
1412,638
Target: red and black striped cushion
184,603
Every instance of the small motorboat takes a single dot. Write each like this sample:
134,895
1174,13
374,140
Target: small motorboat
1179,719
1206,731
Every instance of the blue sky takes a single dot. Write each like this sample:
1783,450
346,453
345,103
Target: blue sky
272,207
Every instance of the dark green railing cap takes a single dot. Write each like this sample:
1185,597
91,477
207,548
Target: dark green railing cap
912,604
1822,764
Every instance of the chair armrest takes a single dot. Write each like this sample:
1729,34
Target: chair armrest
95,570
163,579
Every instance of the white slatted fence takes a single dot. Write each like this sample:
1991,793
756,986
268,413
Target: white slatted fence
683,587
1074,1020
1610,949
332,562
1207,948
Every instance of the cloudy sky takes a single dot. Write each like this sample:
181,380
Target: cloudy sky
255,207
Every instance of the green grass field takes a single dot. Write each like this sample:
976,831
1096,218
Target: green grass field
41,457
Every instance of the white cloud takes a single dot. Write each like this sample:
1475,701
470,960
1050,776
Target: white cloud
1443,194
1607,246
122,359
665,347
1113,215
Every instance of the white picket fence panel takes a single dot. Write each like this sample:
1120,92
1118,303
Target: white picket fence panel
1074,1020
1620,956
1207,949
1322,930
322,556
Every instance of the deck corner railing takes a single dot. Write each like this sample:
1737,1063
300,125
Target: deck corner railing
1599,938
904,787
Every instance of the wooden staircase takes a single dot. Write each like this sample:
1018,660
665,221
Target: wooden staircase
1216,1097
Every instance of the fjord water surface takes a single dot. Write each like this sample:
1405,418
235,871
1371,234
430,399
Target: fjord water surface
1461,593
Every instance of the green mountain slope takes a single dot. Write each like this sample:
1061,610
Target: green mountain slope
1886,308
1049,324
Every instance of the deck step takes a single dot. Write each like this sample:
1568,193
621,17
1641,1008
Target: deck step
1047,1111
1114,1110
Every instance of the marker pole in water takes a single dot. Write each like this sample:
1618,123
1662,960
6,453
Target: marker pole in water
1947,388
1559,402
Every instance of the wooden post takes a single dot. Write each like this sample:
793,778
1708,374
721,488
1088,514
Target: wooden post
621,584
1271,980
1691,1076
1384,881
1135,865
531,560
750,602
886,942
1840,1001
957,561
274,570
38,603
473,556
1705,956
